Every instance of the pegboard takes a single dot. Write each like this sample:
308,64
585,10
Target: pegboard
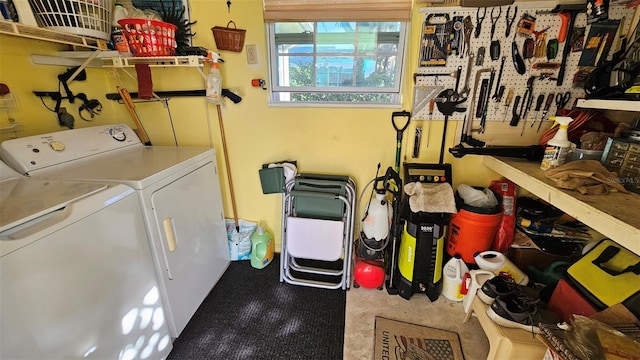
511,79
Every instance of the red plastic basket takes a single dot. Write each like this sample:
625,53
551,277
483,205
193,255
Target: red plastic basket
149,37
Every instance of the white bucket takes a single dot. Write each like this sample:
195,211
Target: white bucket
496,262
453,273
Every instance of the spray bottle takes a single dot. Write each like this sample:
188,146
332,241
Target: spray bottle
555,154
214,79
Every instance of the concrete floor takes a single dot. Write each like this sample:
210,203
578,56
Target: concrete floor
364,304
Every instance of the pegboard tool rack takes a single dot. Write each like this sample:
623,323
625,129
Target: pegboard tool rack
510,78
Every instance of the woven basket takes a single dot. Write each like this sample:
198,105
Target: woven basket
227,38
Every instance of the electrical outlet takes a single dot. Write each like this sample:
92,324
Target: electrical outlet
252,54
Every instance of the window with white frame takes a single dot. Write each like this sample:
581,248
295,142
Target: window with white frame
342,52
336,62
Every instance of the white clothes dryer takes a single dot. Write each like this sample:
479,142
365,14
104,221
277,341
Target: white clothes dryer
178,189
76,276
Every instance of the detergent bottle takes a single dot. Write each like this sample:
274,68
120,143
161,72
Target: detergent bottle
262,248
214,79
453,274
557,149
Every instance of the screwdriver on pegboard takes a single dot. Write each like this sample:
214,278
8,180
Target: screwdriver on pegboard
432,105
507,103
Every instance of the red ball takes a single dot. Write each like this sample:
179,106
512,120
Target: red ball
368,274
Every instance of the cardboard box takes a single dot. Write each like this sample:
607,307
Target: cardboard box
524,253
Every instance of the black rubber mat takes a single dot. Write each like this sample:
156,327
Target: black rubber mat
249,314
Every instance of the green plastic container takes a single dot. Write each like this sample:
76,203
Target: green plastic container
262,248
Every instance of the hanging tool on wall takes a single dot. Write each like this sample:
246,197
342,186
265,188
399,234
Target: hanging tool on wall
399,133
494,47
436,75
466,137
432,104
516,112
447,102
518,62
528,97
568,14
494,20
507,103
483,120
131,108
562,100
479,21
416,141
484,88
87,111
495,94
476,95
468,30
498,97
465,90
540,38
539,102
545,111
480,56
456,38
528,49
435,40
510,20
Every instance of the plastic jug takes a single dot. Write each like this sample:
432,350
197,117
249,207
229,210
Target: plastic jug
498,263
262,248
376,224
453,272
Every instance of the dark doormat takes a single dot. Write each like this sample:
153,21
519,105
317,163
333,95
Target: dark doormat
399,340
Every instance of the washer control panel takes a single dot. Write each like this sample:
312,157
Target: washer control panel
29,154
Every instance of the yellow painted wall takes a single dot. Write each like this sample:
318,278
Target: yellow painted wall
322,140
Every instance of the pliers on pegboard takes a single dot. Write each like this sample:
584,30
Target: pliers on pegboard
510,20
494,20
479,21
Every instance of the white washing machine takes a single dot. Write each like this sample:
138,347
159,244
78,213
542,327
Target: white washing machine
76,277
178,188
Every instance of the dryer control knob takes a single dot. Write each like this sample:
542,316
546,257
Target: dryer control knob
57,145
118,134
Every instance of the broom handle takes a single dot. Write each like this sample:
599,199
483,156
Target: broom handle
226,163
128,102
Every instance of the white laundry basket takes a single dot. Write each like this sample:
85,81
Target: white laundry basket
90,18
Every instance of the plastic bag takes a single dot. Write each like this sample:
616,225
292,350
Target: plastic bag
240,242
506,231
592,339
478,198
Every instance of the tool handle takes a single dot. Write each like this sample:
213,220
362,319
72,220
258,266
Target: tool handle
495,95
539,102
128,102
518,62
567,19
547,104
499,93
400,130
484,89
509,98
516,117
